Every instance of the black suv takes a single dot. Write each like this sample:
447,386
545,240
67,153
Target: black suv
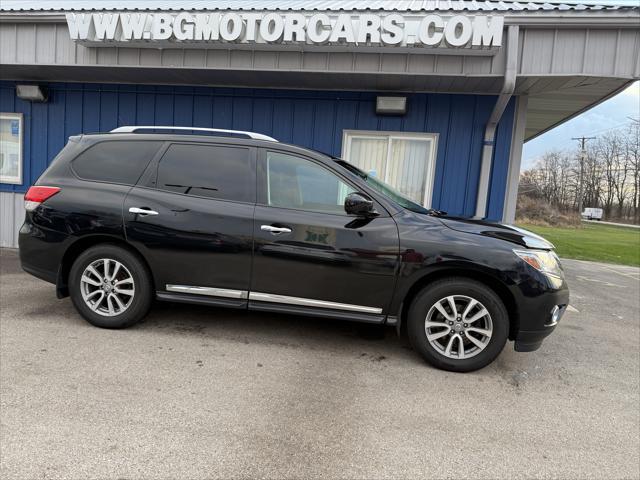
239,220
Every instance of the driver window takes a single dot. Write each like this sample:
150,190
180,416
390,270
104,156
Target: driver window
294,182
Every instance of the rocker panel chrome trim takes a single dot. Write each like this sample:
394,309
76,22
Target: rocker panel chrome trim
210,291
309,302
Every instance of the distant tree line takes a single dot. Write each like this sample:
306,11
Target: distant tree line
610,178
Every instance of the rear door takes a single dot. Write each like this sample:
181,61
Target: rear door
191,215
309,255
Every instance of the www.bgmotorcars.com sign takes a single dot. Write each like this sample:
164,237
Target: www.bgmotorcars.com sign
302,30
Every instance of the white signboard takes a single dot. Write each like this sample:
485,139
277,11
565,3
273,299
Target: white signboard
304,29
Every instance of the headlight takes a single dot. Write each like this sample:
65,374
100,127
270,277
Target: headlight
544,261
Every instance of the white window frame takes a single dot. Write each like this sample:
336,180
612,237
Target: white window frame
15,180
348,135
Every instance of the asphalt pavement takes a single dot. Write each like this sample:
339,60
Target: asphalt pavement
196,392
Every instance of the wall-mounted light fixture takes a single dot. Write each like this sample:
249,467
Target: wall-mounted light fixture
32,93
391,105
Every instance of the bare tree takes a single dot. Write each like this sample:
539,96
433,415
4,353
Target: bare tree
611,176
632,152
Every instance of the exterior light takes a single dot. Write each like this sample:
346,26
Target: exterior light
391,105
32,93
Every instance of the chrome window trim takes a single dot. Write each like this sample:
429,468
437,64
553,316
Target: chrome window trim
309,302
209,291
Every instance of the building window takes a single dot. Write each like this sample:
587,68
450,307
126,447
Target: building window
11,148
406,161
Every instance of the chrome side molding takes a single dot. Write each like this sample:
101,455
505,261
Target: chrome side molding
309,302
271,298
210,291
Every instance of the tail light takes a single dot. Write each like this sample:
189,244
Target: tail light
37,195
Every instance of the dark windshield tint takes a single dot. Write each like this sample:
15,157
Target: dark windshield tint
207,171
383,188
115,161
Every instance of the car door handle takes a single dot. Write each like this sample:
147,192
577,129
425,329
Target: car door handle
275,230
142,211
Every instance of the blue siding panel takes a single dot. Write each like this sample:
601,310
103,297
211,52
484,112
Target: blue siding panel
38,142
202,110
314,119
345,119
73,113
263,115
127,109
222,112
438,119
146,108
90,111
108,111
164,109
500,166
24,107
283,119
457,153
242,114
323,133
55,135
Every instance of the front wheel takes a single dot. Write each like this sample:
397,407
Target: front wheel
110,286
458,324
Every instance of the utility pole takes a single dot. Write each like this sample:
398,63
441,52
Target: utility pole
583,156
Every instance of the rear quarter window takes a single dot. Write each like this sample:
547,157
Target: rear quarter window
211,171
115,161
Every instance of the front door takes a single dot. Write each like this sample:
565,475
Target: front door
309,255
192,218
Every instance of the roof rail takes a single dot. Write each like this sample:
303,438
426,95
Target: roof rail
133,129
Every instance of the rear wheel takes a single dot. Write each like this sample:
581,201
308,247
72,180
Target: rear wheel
458,324
110,287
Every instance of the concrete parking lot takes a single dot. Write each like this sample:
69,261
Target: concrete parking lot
204,393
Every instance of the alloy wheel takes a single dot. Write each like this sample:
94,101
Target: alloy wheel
458,327
107,287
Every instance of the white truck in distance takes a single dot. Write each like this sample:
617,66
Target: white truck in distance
592,213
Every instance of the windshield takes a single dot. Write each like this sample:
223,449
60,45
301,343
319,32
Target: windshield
383,188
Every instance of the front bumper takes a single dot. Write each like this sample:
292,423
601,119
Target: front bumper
539,317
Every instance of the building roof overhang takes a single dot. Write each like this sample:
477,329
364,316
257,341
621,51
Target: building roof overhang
571,56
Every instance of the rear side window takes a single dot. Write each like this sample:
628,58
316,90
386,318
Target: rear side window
115,161
207,171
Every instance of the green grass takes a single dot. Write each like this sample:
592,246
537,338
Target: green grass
600,243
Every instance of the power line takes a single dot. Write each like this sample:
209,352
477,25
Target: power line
631,121
615,127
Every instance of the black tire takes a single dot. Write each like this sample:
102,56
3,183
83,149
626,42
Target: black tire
441,289
140,303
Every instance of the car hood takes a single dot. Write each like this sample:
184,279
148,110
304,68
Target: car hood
509,233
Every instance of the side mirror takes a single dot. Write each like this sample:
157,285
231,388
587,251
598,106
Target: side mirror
357,204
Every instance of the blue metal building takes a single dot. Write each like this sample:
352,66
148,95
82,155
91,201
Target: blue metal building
313,119
475,103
